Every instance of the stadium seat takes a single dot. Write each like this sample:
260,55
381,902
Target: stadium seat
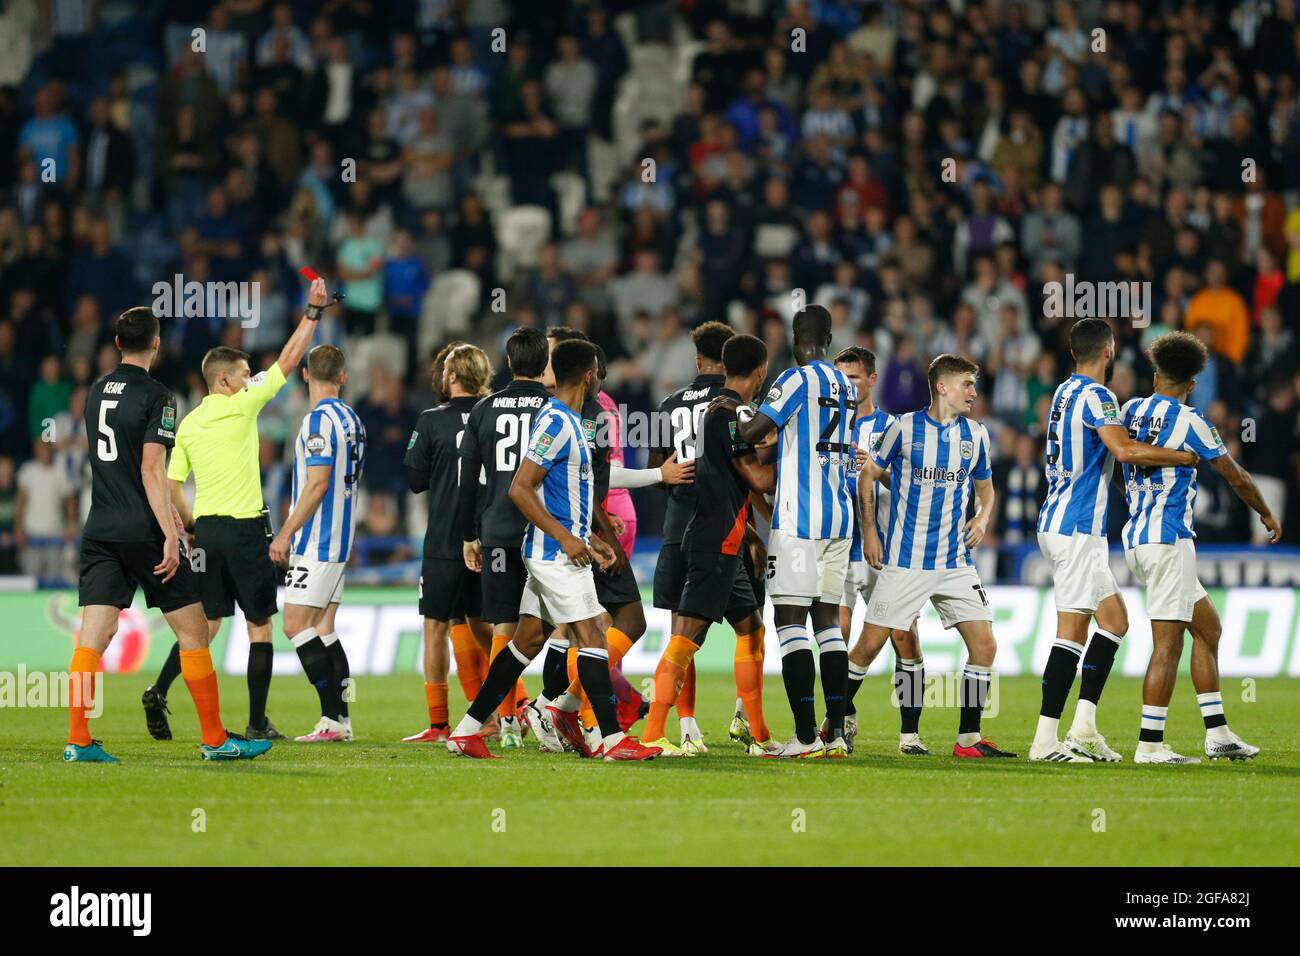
521,232
572,192
448,307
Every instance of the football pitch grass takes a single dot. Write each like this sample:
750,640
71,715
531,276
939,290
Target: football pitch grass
379,801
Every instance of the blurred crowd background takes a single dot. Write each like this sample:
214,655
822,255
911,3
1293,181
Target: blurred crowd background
463,167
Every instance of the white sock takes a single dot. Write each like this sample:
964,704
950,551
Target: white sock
1153,718
613,740
690,728
968,740
567,702
330,638
1211,705
1085,719
542,703
467,727
1048,732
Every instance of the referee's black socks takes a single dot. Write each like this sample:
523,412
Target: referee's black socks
171,670
260,654
340,673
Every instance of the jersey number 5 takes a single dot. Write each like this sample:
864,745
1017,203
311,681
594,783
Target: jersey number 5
107,445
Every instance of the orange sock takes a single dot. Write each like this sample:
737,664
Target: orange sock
669,676
201,679
81,694
686,696
507,705
435,695
521,693
467,653
749,680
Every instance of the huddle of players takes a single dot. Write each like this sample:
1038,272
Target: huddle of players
540,434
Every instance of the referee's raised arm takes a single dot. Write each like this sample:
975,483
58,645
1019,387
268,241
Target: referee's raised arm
294,349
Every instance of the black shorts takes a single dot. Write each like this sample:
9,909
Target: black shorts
449,590
503,577
615,590
717,587
670,576
757,579
112,570
234,566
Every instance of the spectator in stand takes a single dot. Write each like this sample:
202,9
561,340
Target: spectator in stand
904,387
360,267
1272,456
8,517
1221,307
46,514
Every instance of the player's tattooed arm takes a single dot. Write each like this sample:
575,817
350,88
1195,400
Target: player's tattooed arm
1128,451
1243,485
978,525
153,475
318,482
523,492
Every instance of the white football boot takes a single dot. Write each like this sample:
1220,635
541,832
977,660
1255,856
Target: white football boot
1093,746
1162,755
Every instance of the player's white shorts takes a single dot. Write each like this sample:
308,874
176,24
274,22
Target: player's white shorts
1081,575
804,570
861,579
1168,571
559,592
313,582
901,593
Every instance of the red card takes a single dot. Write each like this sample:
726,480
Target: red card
308,273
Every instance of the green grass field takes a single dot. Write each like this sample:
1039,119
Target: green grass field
378,801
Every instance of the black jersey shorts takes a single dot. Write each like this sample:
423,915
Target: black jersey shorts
233,566
448,590
717,587
112,570
503,577
670,576
615,590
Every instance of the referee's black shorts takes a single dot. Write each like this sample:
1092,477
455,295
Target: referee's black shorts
448,590
234,566
112,570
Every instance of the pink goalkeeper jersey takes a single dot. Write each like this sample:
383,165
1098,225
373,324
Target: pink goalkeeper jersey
619,501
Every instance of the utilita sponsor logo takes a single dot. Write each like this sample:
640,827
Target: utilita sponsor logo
77,909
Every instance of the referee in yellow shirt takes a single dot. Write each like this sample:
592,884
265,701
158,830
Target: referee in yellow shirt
218,441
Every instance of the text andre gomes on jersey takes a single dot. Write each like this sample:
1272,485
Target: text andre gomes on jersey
1098,300
73,909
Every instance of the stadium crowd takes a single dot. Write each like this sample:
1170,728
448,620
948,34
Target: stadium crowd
923,169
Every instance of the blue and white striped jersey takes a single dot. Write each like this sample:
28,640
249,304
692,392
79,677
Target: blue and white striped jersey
331,434
1160,500
558,444
813,406
931,471
1076,462
868,431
